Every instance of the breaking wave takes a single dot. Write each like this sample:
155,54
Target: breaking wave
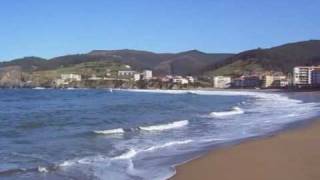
173,143
162,127
233,111
111,131
128,155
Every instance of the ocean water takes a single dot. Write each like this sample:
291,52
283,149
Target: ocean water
131,134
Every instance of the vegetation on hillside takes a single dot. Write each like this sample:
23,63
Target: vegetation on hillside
277,59
186,63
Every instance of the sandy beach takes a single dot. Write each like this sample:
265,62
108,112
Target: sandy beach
291,155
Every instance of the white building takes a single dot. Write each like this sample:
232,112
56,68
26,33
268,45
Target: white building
180,80
221,82
71,77
147,74
190,79
126,73
167,78
306,75
61,82
137,77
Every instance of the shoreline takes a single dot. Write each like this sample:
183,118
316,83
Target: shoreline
183,89
288,154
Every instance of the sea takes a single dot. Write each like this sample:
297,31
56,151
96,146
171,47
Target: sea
87,134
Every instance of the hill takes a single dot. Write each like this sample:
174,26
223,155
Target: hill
185,63
281,58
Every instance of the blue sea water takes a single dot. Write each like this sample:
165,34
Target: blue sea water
132,134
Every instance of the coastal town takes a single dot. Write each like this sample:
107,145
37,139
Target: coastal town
292,66
301,77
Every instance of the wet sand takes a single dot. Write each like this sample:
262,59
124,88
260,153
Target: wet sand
291,155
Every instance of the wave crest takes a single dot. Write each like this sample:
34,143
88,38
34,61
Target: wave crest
233,111
128,155
162,127
172,143
111,131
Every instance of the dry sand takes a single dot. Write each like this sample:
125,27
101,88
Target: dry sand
292,155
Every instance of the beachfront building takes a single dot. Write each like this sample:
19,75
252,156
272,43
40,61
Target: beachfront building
246,82
315,77
306,76
301,75
221,82
71,77
274,81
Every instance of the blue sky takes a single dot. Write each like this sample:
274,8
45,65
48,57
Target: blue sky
59,27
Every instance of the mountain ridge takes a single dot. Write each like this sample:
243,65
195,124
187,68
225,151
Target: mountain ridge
139,60
192,62
279,58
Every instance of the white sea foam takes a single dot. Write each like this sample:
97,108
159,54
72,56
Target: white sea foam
38,88
42,169
161,127
264,112
233,111
128,155
111,131
66,164
173,143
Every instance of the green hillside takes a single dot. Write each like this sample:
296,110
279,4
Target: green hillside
280,59
185,63
86,69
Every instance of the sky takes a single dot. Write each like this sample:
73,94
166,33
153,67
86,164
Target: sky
59,27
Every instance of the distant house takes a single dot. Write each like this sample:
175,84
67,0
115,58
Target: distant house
67,78
71,77
222,82
137,77
180,80
126,74
94,78
60,82
167,78
147,74
190,79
